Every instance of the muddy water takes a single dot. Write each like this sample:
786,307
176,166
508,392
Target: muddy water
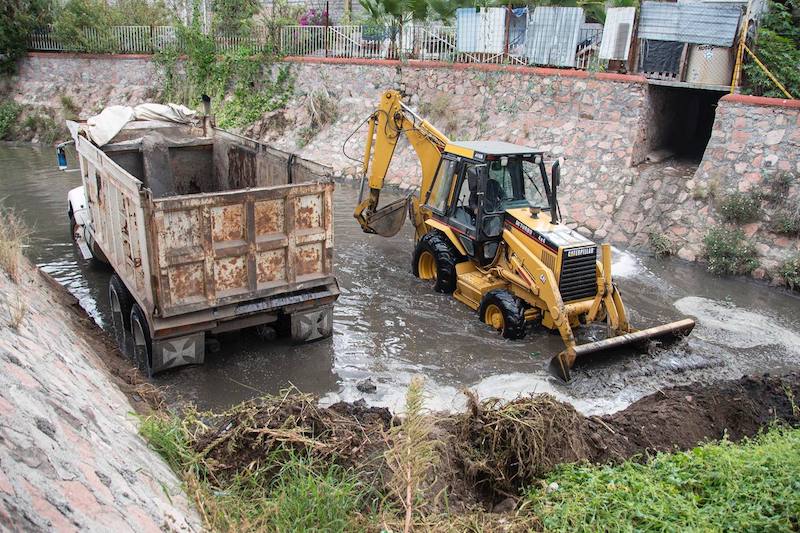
390,326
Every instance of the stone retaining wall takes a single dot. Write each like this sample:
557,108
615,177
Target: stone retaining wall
602,124
70,455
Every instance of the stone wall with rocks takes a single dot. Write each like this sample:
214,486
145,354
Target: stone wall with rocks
603,124
70,455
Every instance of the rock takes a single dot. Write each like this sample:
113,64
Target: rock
686,255
552,487
366,386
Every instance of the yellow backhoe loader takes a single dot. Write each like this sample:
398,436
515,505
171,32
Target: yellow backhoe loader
488,230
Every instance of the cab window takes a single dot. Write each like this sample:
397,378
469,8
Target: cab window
513,182
442,186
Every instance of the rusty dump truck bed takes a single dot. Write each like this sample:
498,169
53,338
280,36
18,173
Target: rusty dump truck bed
209,231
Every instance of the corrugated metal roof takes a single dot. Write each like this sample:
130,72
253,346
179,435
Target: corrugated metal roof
552,36
690,22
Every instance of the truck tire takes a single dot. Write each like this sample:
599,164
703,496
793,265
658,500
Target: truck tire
142,345
121,303
504,312
435,259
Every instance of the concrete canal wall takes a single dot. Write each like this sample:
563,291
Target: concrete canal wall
70,455
603,124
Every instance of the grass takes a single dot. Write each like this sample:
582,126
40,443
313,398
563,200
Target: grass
303,496
13,236
17,310
729,252
751,486
323,110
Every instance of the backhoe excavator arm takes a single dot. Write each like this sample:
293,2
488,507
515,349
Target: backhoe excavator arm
386,124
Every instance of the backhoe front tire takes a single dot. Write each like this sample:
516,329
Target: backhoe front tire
435,259
503,312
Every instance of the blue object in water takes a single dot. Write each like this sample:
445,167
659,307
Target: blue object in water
61,156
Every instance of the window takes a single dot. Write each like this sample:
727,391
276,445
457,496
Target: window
442,185
515,184
467,202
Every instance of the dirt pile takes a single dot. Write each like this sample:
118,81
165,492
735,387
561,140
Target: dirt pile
265,431
505,447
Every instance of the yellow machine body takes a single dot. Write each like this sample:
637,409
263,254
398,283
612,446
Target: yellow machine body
512,264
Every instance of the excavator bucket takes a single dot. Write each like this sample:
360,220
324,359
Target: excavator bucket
386,221
564,361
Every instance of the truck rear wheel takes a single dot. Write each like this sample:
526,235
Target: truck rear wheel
435,259
504,312
121,303
142,344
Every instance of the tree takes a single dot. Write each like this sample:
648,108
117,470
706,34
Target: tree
778,47
17,19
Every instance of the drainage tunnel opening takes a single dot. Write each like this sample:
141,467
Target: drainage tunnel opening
681,120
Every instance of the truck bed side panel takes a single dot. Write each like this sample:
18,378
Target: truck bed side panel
118,208
222,248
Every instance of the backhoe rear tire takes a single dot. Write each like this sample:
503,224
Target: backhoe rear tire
435,259
504,312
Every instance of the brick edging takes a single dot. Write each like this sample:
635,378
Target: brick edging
483,67
761,100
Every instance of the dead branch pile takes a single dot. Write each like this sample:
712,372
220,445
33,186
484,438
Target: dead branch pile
507,446
268,430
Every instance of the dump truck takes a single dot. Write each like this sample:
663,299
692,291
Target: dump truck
206,232
489,231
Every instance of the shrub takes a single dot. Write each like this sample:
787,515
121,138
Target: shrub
787,223
69,107
17,19
9,112
728,252
661,244
778,47
790,272
741,207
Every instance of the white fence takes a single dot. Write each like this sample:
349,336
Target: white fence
431,42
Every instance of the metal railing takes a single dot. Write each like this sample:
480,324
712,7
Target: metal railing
413,40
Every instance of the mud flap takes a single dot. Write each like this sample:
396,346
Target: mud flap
178,351
312,324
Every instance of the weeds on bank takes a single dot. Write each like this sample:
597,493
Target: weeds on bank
790,272
661,244
9,112
323,111
750,486
740,207
17,309
729,252
13,236
284,491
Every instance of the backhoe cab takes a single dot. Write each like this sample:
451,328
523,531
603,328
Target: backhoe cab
488,230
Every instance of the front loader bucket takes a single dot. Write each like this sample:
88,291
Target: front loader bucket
388,220
666,332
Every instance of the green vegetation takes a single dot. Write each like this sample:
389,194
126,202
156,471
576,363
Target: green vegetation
9,113
17,19
729,252
304,495
751,486
661,244
240,82
787,223
790,272
778,47
741,207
